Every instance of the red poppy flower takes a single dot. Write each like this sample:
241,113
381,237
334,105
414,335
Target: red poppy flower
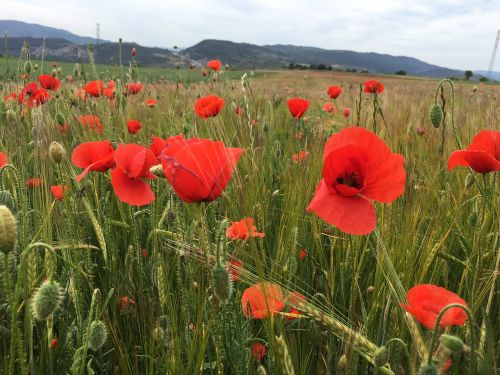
133,126
11,96
373,86
297,107
3,160
81,94
208,106
425,302
329,107
40,97
239,111
94,88
215,65
241,230
158,144
63,129
34,182
302,254
301,156
234,268
482,155
134,52
132,166
69,78
133,88
25,96
294,299
346,112
358,168
49,82
334,92
199,169
93,156
91,121
110,89
54,343
261,300
151,102
258,351
58,191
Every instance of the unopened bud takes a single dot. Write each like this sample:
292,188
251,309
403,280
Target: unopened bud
57,152
8,230
473,219
381,356
452,343
157,170
60,119
221,282
28,67
46,300
436,115
98,335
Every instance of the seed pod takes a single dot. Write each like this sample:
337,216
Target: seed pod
60,119
436,115
98,335
221,283
8,230
46,300
57,152
28,67
381,356
452,343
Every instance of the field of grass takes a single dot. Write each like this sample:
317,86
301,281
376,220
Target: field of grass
138,292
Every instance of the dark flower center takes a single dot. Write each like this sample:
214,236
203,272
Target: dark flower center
351,179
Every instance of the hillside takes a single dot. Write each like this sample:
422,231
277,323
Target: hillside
19,29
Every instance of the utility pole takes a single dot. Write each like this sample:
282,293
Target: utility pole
493,55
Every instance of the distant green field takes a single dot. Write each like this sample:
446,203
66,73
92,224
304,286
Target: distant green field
10,67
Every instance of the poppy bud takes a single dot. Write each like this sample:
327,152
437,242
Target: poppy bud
222,284
35,67
342,363
11,115
8,230
60,119
28,67
381,356
261,370
57,152
473,219
436,115
7,199
452,343
54,344
370,289
157,170
427,370
46,300
54,72
98,335
59,70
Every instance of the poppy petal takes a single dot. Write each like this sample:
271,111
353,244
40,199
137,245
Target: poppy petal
130,190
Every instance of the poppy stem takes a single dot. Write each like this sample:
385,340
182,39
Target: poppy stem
405,347
472,369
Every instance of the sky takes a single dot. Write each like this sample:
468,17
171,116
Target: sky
453,33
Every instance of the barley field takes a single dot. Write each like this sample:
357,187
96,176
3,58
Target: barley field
219,222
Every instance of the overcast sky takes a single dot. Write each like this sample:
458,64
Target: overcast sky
453,33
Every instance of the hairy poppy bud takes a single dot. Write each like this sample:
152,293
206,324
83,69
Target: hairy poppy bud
11,115
28,67
98,335
436,115
452,343
158,334
60,119
57,152
427,370
35,68
54,72
222,284
7,199
46,300
473,219
370,289
342,363
381,356
8,230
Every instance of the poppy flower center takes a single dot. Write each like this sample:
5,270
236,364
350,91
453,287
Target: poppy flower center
351,179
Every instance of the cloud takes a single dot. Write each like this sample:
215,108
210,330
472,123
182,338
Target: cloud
450,33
